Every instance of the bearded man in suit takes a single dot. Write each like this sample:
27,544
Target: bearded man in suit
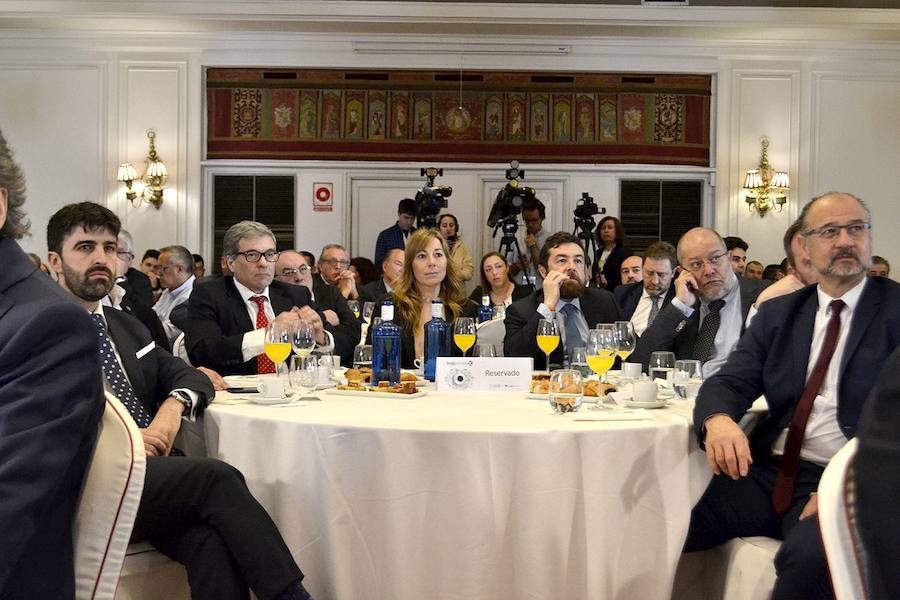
815,355
563,298
198,511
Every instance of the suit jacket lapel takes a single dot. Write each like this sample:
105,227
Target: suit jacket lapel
866,309
5,304
238,308
127,350
804,322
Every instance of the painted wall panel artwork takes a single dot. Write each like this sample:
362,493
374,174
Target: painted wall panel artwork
487,116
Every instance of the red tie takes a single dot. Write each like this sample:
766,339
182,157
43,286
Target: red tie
783,493
264,364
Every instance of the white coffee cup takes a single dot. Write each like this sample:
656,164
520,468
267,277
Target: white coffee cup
631,370
271,388
644,391
419,362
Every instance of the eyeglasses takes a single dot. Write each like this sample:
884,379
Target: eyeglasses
336,262
695,266
253,256
289,271
830,232
124,254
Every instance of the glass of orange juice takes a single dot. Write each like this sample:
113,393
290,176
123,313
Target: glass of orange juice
464,333
601,349
547,338
278,343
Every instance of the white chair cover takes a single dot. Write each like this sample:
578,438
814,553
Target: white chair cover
179,350
109,503
837,522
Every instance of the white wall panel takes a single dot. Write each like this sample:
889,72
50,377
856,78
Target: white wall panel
53,117
856,147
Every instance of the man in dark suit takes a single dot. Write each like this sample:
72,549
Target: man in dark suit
291,267
396,235
198,511
391,270
706,317
51,399
563,298
136,285
641,301
877,474
814,354
227,316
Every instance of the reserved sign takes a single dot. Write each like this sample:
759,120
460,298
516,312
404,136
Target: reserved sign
489,374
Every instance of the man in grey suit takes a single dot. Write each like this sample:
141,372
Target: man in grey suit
706,318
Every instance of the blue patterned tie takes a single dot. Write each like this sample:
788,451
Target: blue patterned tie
115,376
573,336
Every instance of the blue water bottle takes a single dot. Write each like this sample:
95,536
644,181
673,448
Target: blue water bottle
485,311
386,348
437,339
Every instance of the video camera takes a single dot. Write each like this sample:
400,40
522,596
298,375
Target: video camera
510,199
585,209
431,199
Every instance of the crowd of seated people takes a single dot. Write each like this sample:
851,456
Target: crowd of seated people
820,334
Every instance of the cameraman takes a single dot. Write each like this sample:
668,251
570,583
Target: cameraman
396,235
533,213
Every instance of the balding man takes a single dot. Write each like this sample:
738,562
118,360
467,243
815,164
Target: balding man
706,317
135,284
631,269
815,356
391,270
175,270
292,267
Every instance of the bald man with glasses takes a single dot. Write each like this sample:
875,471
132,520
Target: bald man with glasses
706,317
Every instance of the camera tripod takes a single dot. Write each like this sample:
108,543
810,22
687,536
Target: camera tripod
584,231
508,242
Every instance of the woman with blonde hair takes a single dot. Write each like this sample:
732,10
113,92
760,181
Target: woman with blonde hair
428,274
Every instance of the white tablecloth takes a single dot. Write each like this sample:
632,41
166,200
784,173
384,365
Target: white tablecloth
468,496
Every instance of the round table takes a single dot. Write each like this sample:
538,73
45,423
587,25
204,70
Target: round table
476,495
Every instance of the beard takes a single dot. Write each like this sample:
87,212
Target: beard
88,289
843,269
571,288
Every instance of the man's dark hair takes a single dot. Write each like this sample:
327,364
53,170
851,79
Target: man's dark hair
753,262
90,216
789,234
13,181
662,251
151,253
535,204
558,239
310,259
180,255
407,206
770,271
387,255
880,260
198,259
732,242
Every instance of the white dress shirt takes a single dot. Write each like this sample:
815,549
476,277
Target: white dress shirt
642,311
169,300
823,438
560,318
253,343
729,327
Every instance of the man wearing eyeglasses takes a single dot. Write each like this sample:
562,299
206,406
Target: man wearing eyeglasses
291,267
705,318
334,269
133,281
228,316
815,355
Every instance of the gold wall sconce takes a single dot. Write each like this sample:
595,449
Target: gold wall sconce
153,180
766,188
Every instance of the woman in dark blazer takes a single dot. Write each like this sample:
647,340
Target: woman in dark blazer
496,280
612,251
428,275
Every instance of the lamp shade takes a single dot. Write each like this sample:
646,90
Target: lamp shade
780,180
157,169
753,180
126,173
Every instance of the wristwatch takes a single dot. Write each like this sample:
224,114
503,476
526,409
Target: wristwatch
185,400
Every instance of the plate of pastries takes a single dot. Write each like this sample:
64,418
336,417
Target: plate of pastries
540,387
359,383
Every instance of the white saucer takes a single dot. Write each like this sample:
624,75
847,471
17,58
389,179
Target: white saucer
657,404
265,400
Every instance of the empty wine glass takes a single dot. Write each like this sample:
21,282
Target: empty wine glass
578,361
662,364
485,351
362,356
368,309
547,338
